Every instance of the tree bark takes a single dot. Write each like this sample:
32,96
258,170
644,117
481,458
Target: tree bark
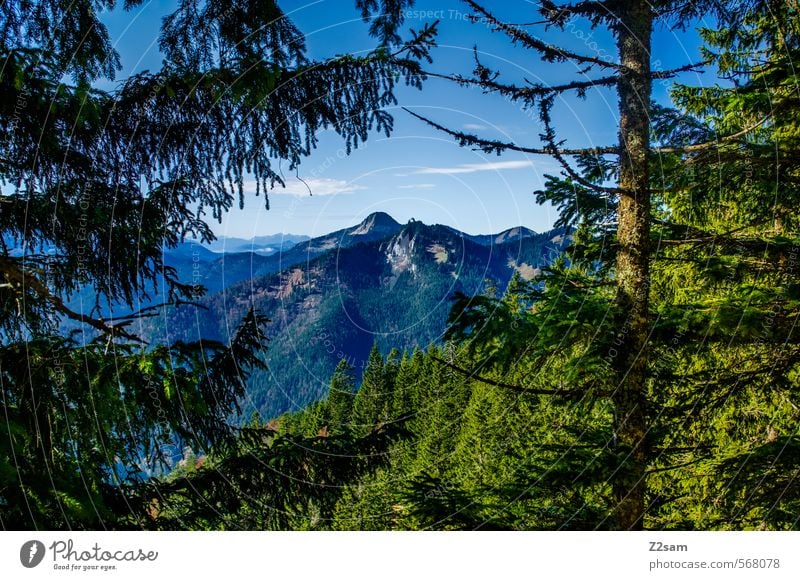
633,34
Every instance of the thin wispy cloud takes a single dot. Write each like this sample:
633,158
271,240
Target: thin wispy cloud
475,167
314,186
417,186
475,127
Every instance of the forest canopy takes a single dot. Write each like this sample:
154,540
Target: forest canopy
647,378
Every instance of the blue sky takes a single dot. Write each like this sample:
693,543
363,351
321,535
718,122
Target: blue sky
418,172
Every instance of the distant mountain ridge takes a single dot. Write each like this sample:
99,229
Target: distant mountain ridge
260,244
509,235
333,296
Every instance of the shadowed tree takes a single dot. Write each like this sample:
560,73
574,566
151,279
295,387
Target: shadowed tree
96,183
341,396
595,312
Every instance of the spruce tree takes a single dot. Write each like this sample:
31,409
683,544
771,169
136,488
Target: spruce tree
725,273
404,388
96,183
372,395
340,398
593,315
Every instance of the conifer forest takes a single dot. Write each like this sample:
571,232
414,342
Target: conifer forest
633,364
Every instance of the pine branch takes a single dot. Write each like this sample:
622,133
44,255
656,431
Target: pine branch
493,146
712,144
473,374
549,137
515,93
150,311
679,449
700,235
677,465
549,52
17,277
668,74
113,330
559,15
486,79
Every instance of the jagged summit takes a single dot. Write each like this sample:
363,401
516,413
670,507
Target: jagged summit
376,221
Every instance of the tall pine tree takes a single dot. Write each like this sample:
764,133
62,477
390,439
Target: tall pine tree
96,183
594,320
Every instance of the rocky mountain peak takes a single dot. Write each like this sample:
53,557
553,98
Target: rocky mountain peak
375,222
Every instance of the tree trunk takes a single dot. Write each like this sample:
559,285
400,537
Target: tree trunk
632,269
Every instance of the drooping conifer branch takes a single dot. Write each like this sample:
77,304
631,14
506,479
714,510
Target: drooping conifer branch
527,94
549,52
18,278
698,147
670,73
476,376
495,146
549,137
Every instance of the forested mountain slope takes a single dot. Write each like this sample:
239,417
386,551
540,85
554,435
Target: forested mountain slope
378,282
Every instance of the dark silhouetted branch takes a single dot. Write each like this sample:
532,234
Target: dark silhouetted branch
516,93
549,52
712,144
549,136
473,374
493,146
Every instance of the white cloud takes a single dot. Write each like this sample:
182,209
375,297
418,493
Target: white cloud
316,186
475,167
417,186
475,126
